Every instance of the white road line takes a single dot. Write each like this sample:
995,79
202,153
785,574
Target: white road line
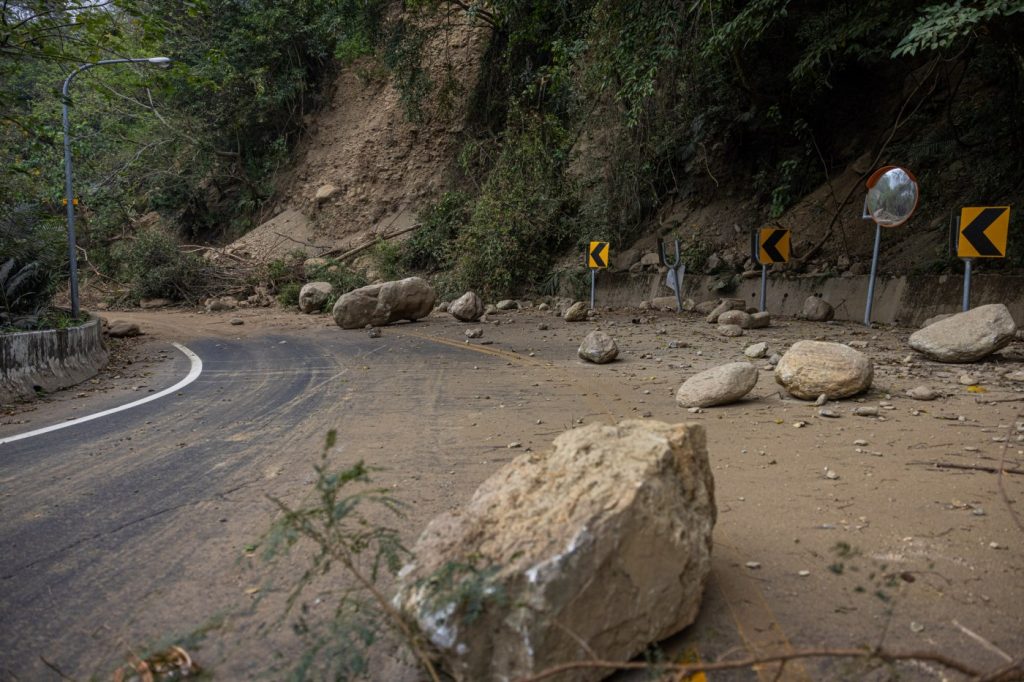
193,373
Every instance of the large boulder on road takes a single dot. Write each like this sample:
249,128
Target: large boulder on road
314,295
378,304
812,368
817,310
467,308
717,386
593,550
968,336
598,348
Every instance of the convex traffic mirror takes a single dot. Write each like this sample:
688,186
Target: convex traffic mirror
892,196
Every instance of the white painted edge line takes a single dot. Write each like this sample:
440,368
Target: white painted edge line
194,371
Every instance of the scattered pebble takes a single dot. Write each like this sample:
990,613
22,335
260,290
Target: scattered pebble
753,565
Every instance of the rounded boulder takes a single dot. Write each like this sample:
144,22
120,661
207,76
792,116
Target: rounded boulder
813,368
717,386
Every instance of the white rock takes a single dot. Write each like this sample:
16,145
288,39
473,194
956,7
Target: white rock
732,330
966,337
598,348
756,350
467,308
325,192
737,317
379,304
605,540
577,312
717,386
817,310
313,296
812,368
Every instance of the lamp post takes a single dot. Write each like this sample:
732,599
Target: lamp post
69,197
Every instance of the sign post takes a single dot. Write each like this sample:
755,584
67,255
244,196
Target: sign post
892,198
773,246
676,272
597,259
982,233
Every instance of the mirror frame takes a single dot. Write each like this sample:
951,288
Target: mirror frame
873,180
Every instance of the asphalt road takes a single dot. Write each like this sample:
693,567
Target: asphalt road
112,530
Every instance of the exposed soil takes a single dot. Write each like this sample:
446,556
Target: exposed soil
913,542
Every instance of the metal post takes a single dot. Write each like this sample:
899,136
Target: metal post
68,194
874,271
967,284
593,285
674,268
764,287
69,197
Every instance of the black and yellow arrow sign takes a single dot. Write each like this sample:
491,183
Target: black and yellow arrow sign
983,231
597,255
773,245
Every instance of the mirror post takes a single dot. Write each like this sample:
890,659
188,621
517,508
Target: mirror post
874,271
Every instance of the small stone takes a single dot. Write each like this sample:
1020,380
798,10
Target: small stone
694,410
968,380
831,475
753,565
373,333
543,326
916,627
514,444
866,411
923,393
831,414
756,350
803,574
236,321
995,545
860,441
577,312
822,399
799,425
474,333
731,330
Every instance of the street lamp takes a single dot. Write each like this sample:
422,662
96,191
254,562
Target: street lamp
69,197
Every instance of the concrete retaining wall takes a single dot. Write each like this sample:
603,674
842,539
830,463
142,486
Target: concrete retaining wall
906,301
49,360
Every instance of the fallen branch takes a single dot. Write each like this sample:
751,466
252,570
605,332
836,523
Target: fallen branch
970,467
363,247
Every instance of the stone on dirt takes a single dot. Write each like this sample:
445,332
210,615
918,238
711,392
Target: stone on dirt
923,393
968,336
760,320
474,333
705,307
717,386
120,329
812,368
577,312
606,540
508,304
730,330
378,304
598,348
756,350
724,305
314,295
817,310
739,318
467,308
325,192
215,305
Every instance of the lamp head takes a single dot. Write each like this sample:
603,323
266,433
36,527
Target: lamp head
165,62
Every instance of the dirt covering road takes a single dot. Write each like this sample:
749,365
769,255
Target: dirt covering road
833,531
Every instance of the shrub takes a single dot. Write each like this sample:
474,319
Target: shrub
288,294
31,266
154,267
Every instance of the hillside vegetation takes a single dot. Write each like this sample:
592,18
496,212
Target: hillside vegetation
589,119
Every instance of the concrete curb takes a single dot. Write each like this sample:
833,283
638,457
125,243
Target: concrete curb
906,301
49,360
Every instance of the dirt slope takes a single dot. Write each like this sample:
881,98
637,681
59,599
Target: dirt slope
381,165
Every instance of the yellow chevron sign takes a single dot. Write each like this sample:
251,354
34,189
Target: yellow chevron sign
597,255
